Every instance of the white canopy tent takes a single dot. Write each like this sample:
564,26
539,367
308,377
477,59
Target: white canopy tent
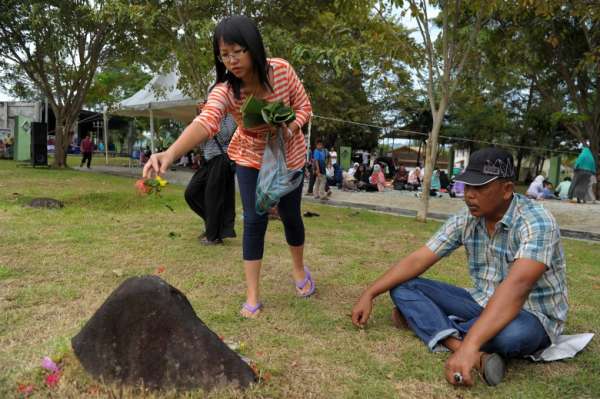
160,98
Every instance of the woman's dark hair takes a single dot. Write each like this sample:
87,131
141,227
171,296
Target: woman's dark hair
241,30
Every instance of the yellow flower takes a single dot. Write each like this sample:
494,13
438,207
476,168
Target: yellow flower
162,182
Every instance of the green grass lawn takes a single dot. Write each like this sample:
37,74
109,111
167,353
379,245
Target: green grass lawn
58,266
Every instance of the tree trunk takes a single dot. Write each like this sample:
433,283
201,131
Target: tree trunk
60,150
431,158
64,121
595,147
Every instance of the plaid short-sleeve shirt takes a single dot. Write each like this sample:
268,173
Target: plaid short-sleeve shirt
526,231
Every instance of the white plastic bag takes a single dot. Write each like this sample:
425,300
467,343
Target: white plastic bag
274,178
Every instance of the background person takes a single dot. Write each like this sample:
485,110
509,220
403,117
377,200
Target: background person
585,168
562,190
536,188
319,157
87,149
333,156
243,69
211,191
377,179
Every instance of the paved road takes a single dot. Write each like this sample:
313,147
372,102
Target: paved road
575,220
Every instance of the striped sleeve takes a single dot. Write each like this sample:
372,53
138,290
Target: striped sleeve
214,110
298,98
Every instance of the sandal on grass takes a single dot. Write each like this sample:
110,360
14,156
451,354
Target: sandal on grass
301,284
493,368
253,310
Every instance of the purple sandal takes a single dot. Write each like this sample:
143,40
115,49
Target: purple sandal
307,279
252,309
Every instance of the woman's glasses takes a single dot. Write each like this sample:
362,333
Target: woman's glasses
235,55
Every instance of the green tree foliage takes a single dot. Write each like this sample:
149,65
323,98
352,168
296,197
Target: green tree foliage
116,82
57,46
555,45
338,48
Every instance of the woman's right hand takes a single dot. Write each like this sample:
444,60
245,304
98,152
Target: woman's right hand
158,164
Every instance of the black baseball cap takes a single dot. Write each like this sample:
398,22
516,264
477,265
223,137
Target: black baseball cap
487,165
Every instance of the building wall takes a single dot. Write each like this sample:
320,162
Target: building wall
10,109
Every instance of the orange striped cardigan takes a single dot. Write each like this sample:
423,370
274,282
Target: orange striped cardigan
248,144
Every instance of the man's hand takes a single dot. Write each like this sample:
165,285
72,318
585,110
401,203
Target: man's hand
362,310
463,361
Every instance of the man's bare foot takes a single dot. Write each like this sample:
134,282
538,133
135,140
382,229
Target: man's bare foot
399,320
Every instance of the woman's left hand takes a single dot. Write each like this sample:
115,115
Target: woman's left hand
287,131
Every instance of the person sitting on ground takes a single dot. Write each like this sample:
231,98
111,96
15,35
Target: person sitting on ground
536,187
361,176
547,191
414,179
516,261
401,178
329,172
377,179
562,190
183,161
348,182
338,175
333,156
436,186
444,181
352,170
457,190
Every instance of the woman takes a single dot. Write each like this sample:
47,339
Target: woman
243,69
536,188
377,179
585,169
414,179
362,177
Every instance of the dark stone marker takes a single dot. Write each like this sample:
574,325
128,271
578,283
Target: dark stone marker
147,333
45,203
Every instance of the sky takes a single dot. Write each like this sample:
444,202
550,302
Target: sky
5,97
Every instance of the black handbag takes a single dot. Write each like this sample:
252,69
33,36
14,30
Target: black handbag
229,161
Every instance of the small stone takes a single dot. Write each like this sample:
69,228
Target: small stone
50,203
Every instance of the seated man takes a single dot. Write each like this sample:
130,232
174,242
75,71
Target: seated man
519,301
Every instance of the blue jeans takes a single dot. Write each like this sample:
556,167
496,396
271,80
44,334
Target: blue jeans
436,311
255,225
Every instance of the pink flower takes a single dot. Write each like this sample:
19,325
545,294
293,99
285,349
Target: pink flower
49,365
141,187
51,380
26,390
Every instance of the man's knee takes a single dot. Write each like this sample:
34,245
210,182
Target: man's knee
519,338
405,291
